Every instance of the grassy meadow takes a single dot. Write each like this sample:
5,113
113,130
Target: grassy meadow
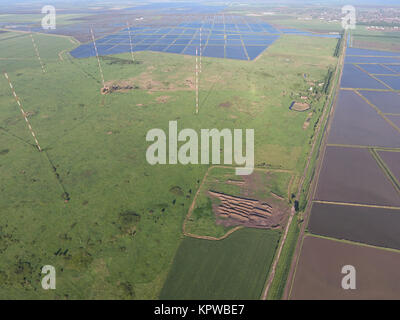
233,268
118,235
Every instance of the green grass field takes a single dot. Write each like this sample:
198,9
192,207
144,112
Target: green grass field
375,39
62,19
234,268
118,235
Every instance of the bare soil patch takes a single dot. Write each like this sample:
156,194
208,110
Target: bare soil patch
147,81
307,122
369,225
301,106
227,104
163,99
357,123
252,206
244,211
353,176
319,276
392,161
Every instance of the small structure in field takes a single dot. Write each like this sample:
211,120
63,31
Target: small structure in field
299,106
105,90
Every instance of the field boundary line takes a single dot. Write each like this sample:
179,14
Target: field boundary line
369,63
355,243
364,89
372,56
378,111
386,170
372,76
191,208
60,55
362,147
351,204
390,150
290,185
226,235
390,69
385,75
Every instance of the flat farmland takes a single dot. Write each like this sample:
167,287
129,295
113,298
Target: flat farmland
392,161
386,101
374,53
357,195
368,59
395,119
353,77
356,123
395,68
318,274
233,268
391,81
352,175
376,69
369,225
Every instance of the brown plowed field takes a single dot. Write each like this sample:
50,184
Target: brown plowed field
395,119
392,160
387,102
374,226
353,176
357,123
319,276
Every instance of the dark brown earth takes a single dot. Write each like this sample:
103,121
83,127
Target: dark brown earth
392,160
319,276
395,120
387,102
353,176
227,104
357,123
245,211
375,226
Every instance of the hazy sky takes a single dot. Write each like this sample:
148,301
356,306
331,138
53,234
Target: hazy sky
127,2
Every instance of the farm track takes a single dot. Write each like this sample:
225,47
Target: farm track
334,90
60,55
